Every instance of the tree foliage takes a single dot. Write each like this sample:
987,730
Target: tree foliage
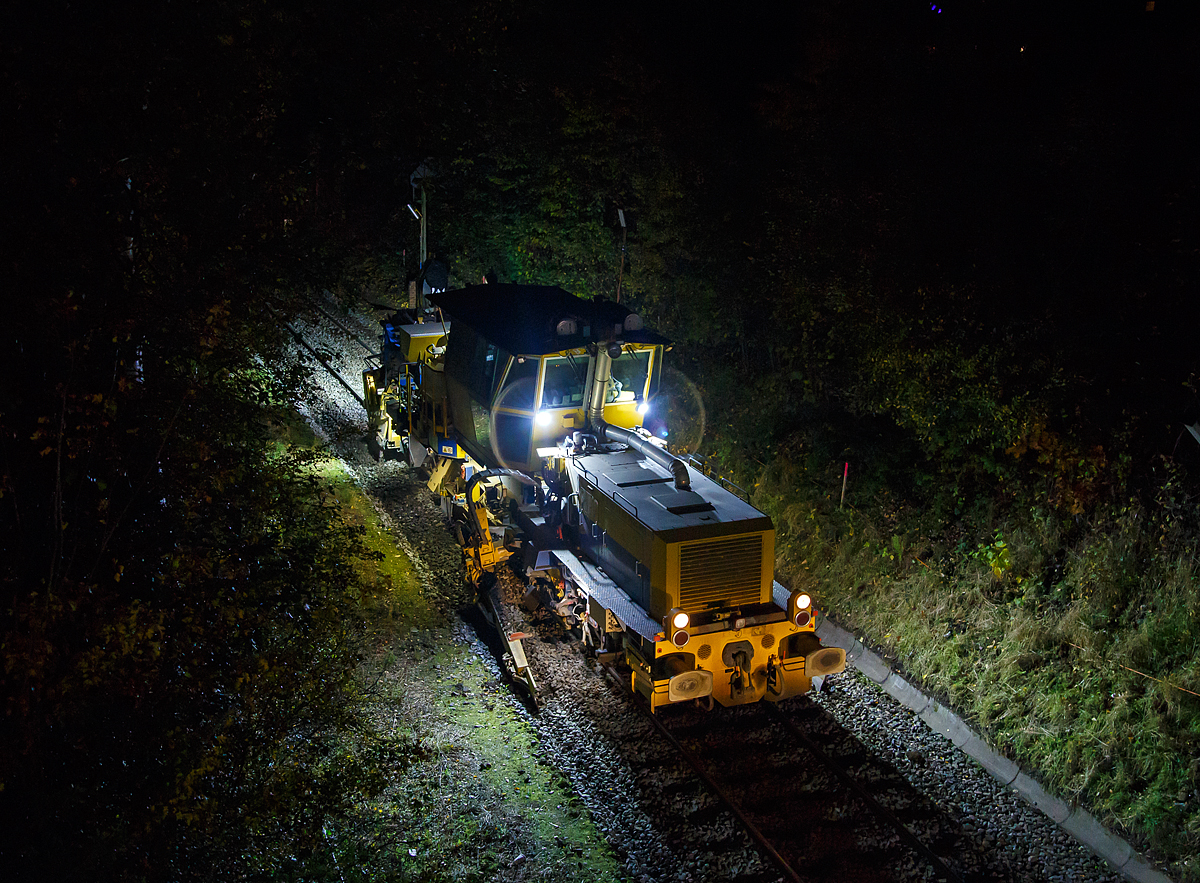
175,594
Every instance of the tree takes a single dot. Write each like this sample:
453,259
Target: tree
174,592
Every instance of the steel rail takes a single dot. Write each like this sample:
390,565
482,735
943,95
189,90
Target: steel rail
694,762
945,872
370,348
863,794
324,362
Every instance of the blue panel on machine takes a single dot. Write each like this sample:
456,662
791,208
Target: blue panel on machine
448,448
609,594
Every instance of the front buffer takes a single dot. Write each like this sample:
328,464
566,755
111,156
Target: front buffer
765,651
732,662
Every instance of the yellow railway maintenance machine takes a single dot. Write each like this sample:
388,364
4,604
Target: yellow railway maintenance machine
530,414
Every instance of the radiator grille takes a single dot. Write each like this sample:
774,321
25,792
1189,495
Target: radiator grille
722,573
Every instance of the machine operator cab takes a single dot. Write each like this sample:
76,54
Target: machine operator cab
518,370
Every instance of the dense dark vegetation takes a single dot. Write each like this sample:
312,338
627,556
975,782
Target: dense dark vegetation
958,252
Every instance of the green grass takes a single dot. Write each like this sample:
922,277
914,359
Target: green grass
396,590
457,787
398,601
1072,645
480,803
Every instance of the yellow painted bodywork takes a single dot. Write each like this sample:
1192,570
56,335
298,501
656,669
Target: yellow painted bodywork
767,640
662,551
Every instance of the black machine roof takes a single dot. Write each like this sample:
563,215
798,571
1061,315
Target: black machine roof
522,318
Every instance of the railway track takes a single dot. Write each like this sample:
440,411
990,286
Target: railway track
325,354
770,792
371,347
817,804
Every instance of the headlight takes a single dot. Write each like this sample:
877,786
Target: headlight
542,418
800,609
677,622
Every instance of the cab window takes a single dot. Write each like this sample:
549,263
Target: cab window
519,385
565,379
629,372
483,370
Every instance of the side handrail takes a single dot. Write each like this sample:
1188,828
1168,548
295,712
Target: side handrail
702,464
618,496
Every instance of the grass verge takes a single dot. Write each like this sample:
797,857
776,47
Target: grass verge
459,790
1074,646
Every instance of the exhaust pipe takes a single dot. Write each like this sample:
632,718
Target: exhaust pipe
661,456
598,393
